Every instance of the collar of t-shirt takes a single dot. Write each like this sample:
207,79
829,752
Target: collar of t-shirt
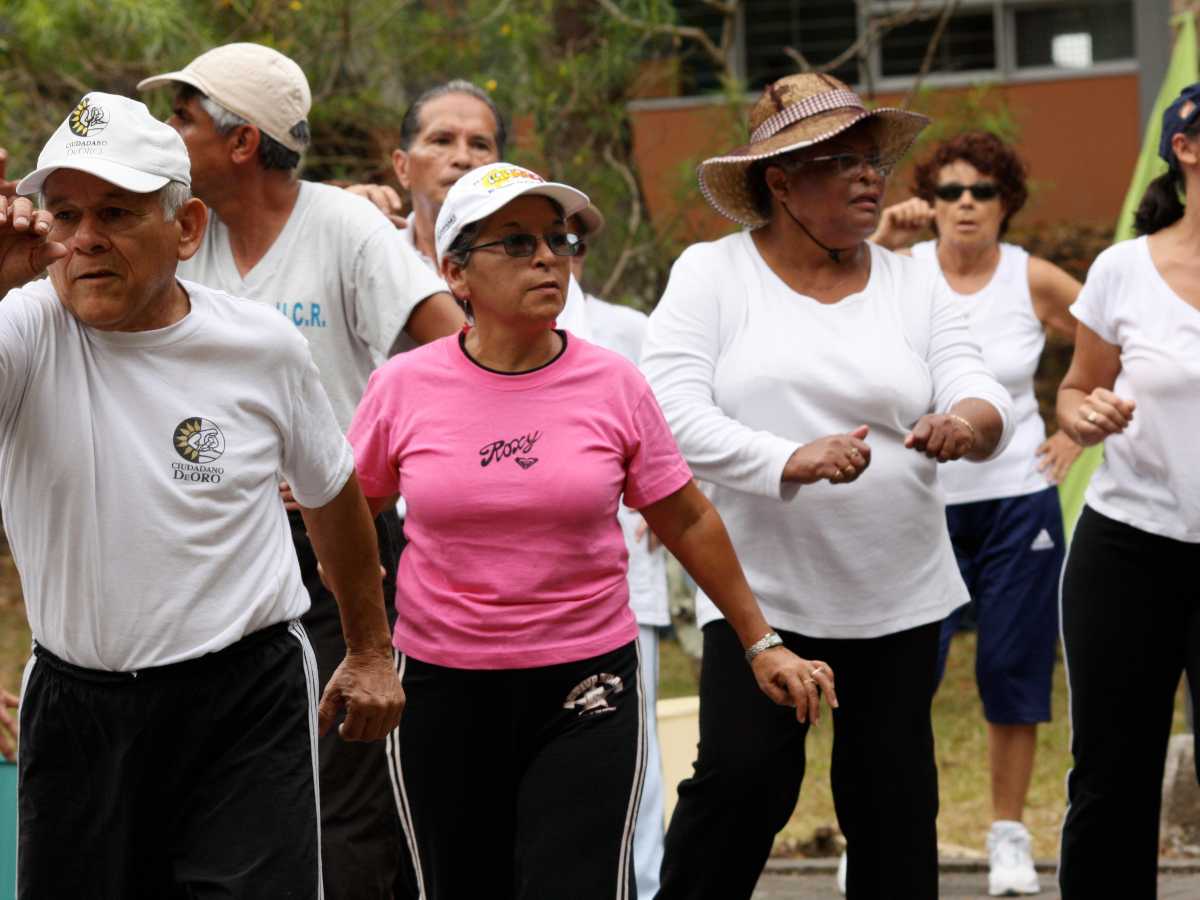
548,371
158,337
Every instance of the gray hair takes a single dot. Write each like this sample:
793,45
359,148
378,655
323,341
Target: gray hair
410,125
271,153
171,196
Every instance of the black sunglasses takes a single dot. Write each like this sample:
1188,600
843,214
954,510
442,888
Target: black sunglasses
525,245
980,190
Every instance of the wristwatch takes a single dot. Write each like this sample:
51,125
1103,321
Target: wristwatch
766,642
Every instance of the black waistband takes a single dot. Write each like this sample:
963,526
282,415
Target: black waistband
183,669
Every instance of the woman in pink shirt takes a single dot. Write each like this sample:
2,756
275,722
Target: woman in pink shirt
519,764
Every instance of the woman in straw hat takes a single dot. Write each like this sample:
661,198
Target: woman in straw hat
514,442
815,381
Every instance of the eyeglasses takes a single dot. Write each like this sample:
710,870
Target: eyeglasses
852,165
525,245
980,190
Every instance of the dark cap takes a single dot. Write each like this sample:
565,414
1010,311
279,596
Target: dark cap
1178,118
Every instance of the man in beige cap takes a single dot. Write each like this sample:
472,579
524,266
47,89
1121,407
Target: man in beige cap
337,269
169,714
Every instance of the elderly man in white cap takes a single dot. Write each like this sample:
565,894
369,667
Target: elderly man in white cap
339,271
169,713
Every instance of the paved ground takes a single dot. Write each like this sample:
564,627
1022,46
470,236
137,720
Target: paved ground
815,881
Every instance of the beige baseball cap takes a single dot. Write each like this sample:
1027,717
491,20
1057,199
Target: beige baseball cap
261,85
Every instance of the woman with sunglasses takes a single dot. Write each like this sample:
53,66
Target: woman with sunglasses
523,742
815,382
1004,516
1130,604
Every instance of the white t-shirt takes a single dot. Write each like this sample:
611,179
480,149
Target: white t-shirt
139,475
1002,319
340,273
622,329
747,370
1149,478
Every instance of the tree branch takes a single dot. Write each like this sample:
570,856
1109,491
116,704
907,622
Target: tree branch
930,52
628,252
875,30
686,32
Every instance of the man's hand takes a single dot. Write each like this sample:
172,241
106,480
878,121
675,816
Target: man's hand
902,223
8,726
385,198
838,459
367,686
1056,455
25,249
7,188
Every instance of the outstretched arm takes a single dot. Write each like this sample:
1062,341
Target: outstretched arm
690,527
365,682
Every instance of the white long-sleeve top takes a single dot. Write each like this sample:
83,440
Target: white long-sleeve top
747,370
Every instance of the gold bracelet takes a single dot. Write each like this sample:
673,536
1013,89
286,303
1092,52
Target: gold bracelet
970,427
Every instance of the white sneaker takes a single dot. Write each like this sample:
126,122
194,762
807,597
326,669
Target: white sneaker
1010,861
841,875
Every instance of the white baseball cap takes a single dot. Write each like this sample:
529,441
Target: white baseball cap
117,139
482,191
261,85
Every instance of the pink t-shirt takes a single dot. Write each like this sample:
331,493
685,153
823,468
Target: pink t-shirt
515,557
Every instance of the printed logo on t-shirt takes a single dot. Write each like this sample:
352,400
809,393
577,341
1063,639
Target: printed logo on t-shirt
200,442
590,696
495,451
302,315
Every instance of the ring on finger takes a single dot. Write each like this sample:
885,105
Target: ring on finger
1091,416
848,471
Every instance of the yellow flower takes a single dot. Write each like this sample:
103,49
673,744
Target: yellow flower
490,84
295,6
506,29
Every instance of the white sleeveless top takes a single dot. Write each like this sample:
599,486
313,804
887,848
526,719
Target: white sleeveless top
1002,320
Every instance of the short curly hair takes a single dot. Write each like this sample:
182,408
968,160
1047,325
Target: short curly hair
987,153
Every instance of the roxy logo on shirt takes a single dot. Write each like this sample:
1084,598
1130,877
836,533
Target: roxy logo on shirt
519,448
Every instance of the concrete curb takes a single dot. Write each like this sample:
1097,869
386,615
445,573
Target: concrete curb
828,866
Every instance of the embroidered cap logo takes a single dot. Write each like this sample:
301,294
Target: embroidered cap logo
87,120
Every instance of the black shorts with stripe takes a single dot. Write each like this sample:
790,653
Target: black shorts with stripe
191,780
523,784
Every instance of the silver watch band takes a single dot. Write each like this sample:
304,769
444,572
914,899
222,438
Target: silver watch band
766,642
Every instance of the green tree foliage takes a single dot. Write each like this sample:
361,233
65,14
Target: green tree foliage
561,70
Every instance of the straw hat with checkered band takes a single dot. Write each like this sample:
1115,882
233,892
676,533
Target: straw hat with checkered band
794,112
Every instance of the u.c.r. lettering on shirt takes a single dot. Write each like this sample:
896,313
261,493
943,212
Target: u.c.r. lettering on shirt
502,449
